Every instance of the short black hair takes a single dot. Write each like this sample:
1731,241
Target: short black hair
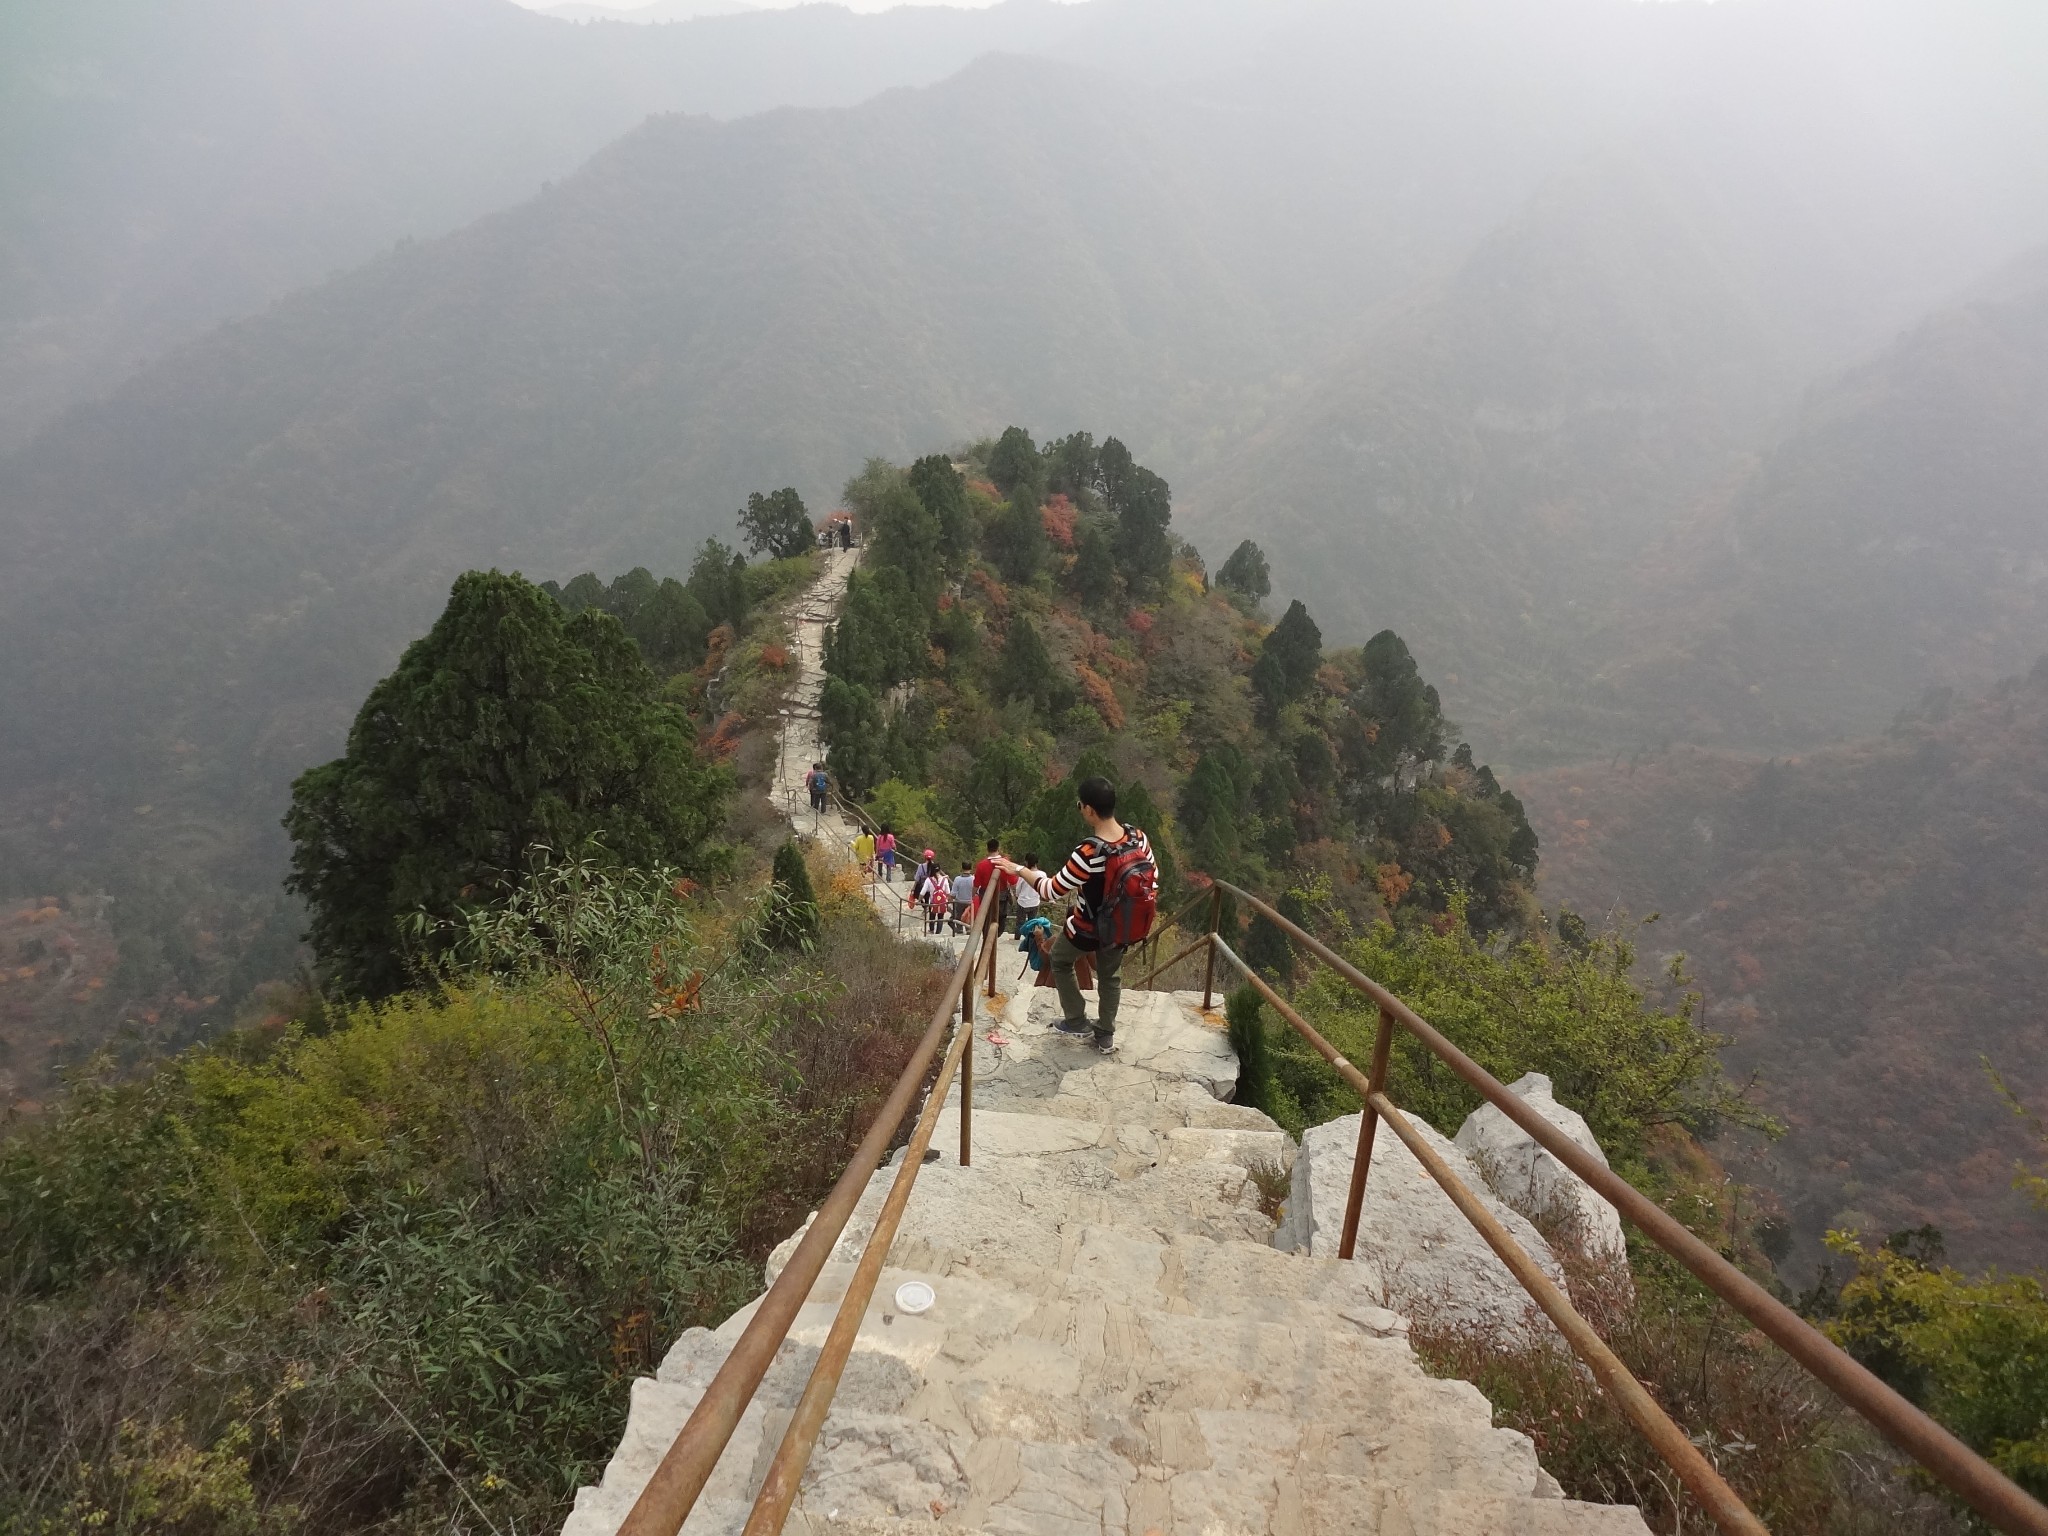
994,843
1099,795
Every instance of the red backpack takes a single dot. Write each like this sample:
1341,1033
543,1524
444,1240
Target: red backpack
1130,893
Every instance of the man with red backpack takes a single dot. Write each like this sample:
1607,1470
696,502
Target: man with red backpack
1117,882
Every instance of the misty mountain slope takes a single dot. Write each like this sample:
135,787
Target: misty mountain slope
1868,921
214,564
166,167
1896,540
1479,472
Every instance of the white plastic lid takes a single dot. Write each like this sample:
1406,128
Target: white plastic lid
914,1296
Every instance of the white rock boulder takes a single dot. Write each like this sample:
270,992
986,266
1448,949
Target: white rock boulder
1532,1180
1432,1265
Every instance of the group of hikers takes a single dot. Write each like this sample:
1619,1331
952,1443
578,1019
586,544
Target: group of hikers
1111,880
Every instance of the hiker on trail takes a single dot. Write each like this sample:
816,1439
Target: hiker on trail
1025,887
885,852
845,533
986,875
817,782
864,853
937,892
1117,881
963,898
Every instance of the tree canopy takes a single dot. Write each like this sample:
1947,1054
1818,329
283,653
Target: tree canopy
777,525
1245,573
1015,465
510,726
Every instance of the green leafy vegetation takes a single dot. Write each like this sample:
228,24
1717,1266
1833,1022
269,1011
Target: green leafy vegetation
392,1265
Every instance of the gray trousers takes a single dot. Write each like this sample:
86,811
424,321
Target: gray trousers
1109,983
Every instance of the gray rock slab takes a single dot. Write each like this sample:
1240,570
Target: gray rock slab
1430,1261
1532,1180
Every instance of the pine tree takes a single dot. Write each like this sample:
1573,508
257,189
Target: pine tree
1289,659
1245,573
509,727
942,493
1014,465
792,921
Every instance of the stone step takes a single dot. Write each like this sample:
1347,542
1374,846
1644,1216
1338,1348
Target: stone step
1008,1412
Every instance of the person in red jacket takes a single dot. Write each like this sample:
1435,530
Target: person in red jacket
987,873
1084,876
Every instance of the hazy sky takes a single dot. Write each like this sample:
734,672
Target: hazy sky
768,5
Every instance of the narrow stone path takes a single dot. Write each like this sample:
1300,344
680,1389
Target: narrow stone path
801,746
1116,1348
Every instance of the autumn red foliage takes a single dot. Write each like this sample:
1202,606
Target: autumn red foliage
1059,516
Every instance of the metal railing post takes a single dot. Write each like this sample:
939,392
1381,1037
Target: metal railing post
1209,969
967,1060
1368,1125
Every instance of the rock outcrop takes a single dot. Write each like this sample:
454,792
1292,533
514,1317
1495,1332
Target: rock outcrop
1426,1258
1535,1182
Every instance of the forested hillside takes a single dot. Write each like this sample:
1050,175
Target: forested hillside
1484,468
1894,541
1870,923
1083,637
165,168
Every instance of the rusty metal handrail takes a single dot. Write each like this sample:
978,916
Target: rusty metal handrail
785,1472
1670,1442
665,1502
1969,1476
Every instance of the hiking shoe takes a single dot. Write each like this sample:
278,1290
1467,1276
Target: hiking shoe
1104,1043
1074,1027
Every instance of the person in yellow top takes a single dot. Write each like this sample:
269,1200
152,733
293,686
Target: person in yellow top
864,852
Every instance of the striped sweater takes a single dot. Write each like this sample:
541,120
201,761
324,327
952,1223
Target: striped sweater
1083,873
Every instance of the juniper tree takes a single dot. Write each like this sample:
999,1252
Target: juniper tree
940,490
1246,574
792,921
510,727
1289,658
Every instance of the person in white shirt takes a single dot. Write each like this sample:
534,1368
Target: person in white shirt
1026,892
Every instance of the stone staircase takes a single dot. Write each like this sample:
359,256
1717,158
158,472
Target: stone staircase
1116,1345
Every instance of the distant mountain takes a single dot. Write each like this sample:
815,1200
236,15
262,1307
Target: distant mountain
1867,921
1508,465
647,15
1895,540
207,571
1483,467
167,167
